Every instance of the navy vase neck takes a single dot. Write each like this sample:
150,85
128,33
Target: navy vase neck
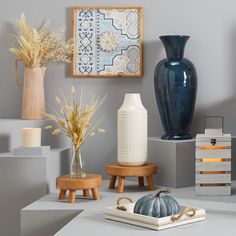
174,45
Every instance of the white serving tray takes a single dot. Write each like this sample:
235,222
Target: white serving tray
149,222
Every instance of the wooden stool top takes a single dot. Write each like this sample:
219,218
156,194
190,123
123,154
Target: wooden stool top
119,170
87,182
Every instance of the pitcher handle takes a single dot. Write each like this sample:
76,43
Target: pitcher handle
17,74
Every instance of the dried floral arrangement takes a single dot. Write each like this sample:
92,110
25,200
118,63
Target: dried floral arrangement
37,47
74,117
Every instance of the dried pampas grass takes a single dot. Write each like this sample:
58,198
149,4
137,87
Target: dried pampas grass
74,117
37,47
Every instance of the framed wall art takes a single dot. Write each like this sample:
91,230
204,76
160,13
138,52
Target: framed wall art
107,42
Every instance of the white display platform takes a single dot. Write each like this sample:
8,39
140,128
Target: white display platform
46,216
175,160
24,179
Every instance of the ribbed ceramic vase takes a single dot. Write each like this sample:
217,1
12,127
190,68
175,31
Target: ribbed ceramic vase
132,131
175,81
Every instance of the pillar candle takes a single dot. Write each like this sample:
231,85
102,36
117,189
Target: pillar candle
31,137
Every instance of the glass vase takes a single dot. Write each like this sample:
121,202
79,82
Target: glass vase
77,165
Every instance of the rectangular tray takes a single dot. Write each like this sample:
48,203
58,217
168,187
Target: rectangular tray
149,222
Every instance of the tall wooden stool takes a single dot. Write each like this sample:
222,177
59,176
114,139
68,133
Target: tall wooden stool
91,181
116,170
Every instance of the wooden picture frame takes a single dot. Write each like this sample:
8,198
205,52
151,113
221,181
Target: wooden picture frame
107,42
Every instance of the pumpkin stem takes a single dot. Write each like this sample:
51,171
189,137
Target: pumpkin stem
162,191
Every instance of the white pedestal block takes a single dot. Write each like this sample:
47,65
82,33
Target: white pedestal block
27,176
175,161
24,179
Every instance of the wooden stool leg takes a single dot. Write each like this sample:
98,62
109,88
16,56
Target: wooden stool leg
112,182
85,192
62,194
151,185
72,196
121,184
95,194
140,181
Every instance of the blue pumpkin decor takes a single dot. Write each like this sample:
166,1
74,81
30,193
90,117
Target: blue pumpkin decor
156,205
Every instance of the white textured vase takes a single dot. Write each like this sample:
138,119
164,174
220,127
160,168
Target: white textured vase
132,131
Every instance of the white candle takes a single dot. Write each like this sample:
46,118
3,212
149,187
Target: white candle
31,137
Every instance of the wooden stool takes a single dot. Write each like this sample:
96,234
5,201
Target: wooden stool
131,171
91,181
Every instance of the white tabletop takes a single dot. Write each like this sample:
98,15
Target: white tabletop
220,214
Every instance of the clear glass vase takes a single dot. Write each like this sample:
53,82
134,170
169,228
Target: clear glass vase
77,165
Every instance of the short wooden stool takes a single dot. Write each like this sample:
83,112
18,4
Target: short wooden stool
131,171
91,181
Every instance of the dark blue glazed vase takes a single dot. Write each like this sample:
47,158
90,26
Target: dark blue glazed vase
175,81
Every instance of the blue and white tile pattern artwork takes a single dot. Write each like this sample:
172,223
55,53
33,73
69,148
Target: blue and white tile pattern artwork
107,42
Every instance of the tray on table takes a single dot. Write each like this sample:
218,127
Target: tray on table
112,213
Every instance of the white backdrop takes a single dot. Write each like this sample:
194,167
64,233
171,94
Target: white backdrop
212,48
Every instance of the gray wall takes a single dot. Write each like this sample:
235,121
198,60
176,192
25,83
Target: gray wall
212,48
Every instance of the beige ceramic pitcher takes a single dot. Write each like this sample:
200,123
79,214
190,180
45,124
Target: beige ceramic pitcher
33,99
